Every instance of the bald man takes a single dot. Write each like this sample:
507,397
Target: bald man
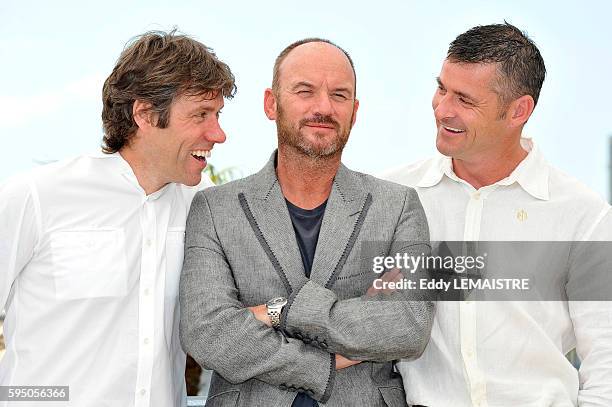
273,294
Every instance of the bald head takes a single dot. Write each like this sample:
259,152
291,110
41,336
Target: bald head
309,51
313,99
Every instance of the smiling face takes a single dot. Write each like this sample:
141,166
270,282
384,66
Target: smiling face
314,105
180,150
469,117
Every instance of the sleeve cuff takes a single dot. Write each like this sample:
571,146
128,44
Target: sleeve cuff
285,311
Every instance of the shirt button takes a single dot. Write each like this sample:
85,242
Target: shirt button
476,195
146,341
148,242
143,392
146,291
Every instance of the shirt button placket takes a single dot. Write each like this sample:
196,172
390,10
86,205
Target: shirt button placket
467,311
146,303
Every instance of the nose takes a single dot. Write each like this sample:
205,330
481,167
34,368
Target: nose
215,133
442,106
323,104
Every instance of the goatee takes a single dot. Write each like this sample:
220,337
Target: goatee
288,135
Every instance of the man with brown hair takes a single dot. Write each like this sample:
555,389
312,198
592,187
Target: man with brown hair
91,248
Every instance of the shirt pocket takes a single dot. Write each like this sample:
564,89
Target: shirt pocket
175,246
89,263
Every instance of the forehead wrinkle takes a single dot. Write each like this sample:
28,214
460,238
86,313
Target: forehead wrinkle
494,84
316,51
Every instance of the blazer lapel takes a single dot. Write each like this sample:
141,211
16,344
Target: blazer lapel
269,210
265,206
342,214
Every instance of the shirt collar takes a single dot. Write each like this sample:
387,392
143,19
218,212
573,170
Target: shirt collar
531,174
440,166
126,171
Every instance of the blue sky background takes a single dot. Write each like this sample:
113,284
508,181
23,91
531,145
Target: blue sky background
56,55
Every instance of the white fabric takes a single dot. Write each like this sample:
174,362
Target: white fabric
511,353
89,273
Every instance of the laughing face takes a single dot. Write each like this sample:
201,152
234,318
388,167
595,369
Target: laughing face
181,149
468,111
315,104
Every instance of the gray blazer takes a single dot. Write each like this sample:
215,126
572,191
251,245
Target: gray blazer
241,251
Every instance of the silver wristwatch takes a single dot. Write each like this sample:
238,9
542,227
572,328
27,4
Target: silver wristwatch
275,307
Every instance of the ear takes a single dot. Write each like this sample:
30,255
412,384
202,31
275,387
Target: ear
520,110
355,108
270,104
141,111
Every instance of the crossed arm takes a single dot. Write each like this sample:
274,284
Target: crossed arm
261,313
223,335
377,326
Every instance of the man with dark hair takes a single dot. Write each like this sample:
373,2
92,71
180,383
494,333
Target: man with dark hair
491,183
91,248
273,296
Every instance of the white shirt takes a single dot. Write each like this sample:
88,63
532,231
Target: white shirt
511,354
89,274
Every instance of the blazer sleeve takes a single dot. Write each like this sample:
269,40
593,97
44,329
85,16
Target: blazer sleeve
221,334
381,328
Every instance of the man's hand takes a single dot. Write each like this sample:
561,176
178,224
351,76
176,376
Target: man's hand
261,313
342,362
392,276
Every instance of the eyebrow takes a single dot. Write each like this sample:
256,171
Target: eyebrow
209,109
347,90
462,94
311,86
302,83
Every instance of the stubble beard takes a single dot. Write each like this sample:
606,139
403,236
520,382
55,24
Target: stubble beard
292,137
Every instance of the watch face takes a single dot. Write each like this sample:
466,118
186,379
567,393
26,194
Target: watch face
278,301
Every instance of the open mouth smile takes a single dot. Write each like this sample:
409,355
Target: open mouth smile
453,129
201,155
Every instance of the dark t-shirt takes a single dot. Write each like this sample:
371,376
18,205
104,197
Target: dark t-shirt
306,224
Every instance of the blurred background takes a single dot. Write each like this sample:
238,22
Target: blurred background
56,55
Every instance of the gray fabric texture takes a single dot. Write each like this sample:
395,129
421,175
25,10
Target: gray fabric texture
232,262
